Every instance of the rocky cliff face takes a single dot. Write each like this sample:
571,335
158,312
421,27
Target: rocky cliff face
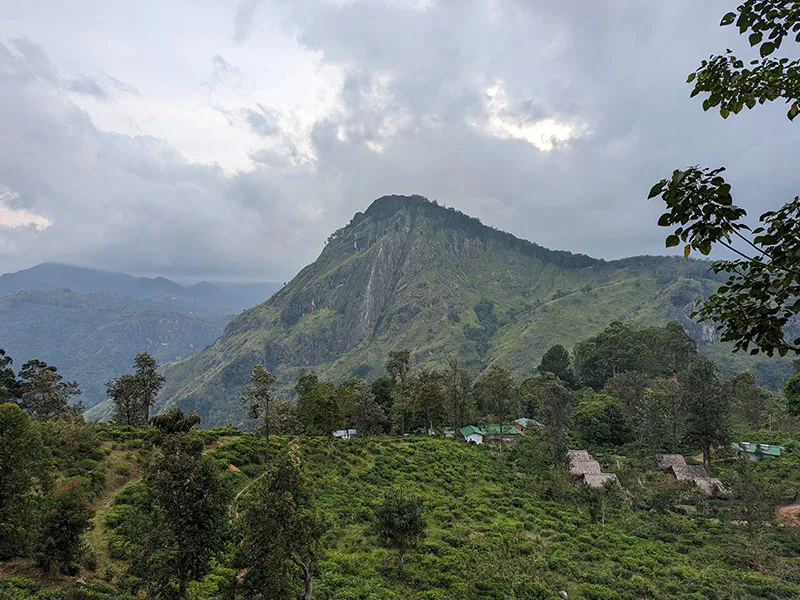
409,273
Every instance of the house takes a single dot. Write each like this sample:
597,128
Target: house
489,434
756,451
582,465
525,424
345,434
676,465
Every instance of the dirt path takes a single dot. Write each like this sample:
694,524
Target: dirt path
788,515
233,509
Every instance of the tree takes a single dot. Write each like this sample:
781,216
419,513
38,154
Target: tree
134,393
747,399
173,422
24,462
556,361
150,382
44,394
629,388
8,381
283,417
258,394
429,401
602,420
188,523
752,309
382,388
63,521
792,392
399,368
368,416
399,522
317,410
706,407
498,390
458,400
281,532
661,415
555,407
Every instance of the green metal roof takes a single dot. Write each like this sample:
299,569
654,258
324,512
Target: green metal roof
751,448
528,422
489,429
470,429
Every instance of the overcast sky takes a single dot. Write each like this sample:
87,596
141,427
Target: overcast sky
229,139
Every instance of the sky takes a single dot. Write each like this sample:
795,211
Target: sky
227,140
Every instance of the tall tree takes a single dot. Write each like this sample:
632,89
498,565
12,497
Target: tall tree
281,532
398,366
133,394
368,416
706,406
661,415
557,361
188,523
399,522
747,399
123,392
258,394
8,381
44,394
601,419
555,407
459,402
429,400
759,299
498,390
317,409
792,392
24,462
283,417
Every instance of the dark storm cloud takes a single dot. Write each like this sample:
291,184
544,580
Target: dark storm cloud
444,99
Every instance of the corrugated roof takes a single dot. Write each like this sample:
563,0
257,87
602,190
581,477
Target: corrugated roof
753,448
524,422
470,429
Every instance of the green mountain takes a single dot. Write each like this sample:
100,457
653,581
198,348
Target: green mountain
94,337
407,273
217,298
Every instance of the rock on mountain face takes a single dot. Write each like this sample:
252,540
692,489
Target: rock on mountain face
409,273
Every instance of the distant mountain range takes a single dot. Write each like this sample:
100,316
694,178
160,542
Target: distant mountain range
91,324
217,298
408,273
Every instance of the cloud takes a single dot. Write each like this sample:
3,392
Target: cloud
245,15
87,86
16,218
547,119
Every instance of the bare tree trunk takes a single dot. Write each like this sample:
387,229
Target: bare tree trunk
53,569
707,459
309,578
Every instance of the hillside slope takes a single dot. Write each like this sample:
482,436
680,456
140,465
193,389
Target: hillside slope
94,337
409,273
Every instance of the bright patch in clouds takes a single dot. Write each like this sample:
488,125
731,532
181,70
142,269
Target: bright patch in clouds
545,134
19,217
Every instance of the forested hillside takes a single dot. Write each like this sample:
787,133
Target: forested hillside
94,337
408,273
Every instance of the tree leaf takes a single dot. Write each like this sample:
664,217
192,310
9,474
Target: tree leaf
727,19
664,220
767,48
656,189
686,251
672,240
755,38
